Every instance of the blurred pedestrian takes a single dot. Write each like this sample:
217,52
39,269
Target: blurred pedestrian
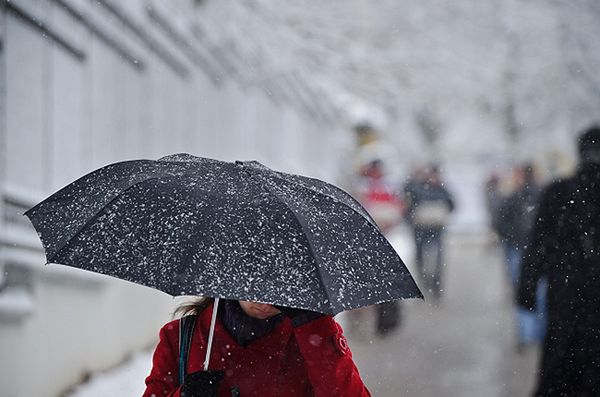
386,209
371,187
429,205
379,199
516,216
565,247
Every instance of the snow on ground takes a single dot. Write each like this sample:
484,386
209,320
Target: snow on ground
125,380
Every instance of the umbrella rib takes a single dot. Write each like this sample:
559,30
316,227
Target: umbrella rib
305,230
95,216
302,185
294,179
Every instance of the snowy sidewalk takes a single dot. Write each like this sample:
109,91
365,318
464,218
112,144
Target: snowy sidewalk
126,380
463,346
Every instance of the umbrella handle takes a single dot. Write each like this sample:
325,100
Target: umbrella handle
211,333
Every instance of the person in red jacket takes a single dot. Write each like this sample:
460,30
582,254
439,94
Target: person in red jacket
258,350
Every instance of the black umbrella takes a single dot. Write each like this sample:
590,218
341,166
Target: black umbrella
187,225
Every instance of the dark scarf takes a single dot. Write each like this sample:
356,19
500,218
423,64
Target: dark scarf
243,328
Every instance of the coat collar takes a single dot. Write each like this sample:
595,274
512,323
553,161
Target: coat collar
271,344
242,327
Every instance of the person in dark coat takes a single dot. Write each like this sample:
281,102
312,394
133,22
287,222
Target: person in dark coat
258,350
429,205
565,248
516,217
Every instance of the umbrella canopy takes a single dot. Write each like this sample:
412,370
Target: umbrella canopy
188,225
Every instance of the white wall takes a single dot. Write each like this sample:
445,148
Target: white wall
65,116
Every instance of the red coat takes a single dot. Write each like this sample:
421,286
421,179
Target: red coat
310,360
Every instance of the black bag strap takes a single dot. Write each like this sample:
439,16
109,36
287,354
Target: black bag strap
186,330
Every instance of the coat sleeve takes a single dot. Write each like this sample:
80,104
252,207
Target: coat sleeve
328,359
162,380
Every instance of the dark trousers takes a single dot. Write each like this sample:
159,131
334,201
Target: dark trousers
428,242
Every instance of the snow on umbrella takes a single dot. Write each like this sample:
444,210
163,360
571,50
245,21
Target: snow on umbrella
188,225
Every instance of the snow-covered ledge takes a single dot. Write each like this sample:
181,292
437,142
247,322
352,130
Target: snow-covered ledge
22,252
22,196
16,303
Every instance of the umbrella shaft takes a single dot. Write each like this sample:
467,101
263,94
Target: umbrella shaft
211,333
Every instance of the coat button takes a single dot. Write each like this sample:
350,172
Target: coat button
342,344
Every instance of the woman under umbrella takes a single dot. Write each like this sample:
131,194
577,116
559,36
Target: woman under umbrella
187,225
259,350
